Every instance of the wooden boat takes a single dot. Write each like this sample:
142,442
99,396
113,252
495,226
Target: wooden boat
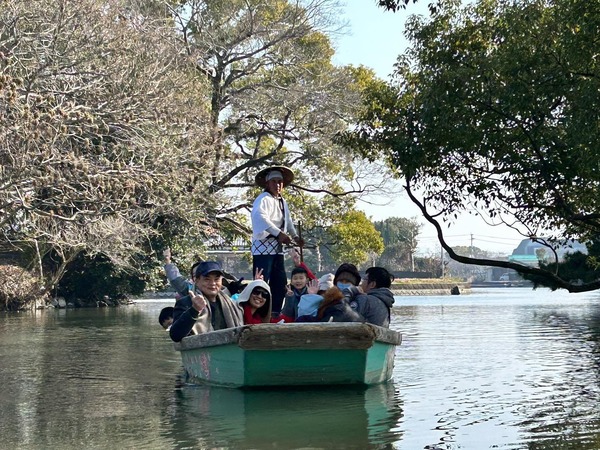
292,354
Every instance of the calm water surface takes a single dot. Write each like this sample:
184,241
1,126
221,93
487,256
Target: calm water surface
506,368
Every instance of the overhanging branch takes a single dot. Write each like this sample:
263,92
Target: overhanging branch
553,279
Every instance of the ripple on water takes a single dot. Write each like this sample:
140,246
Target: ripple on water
498,374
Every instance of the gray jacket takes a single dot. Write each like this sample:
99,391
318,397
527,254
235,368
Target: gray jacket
374,306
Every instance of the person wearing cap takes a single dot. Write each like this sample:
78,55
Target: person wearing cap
272,228
206,309
183,285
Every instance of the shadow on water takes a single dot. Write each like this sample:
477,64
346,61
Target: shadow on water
334,417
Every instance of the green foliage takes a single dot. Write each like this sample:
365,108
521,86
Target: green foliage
276,98
357,239
396,5
577,267
89,279
504,125
137,125
399,236
496,108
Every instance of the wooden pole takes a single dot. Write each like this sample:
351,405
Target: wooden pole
300,236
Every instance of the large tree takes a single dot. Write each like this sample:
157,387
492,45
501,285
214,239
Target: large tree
126,123
399,236
496,108
102,127
276,97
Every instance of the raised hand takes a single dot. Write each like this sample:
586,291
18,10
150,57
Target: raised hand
198,301
167,254
313,286
258,275
295,257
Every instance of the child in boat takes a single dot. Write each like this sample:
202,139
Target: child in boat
165,318
255,299
310,302
297,260
298,287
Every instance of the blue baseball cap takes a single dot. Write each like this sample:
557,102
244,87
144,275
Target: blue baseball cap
206,267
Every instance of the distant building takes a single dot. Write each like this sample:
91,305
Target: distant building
530,253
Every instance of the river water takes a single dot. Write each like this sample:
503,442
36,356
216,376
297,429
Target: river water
504,368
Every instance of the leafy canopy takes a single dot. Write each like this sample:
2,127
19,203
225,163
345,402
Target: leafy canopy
496,108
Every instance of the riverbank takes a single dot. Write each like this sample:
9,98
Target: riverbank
430,287
399,287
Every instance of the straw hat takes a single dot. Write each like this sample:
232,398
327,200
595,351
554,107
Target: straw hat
286,173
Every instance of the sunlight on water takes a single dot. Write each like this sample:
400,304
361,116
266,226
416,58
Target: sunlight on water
505,368
509,368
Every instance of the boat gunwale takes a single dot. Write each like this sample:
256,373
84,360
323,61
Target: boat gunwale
291,335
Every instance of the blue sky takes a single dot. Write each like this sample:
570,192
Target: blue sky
374,38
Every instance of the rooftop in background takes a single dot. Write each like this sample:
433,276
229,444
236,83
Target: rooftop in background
530,252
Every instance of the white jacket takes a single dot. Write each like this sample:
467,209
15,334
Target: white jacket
267,219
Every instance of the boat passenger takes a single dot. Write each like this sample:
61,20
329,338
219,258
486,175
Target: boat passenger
374,299
183,285
335,306
255,299
165,318
298,287
310,302
272,228
346,276
207,309
297,260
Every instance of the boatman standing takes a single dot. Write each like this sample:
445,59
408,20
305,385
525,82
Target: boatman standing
272,228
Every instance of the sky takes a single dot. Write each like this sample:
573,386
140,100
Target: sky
374,38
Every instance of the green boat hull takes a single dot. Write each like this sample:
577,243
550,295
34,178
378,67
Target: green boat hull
291,355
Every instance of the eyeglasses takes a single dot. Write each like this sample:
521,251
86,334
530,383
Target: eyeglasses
261,293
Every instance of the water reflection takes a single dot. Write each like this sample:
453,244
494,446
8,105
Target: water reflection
346,417
508,369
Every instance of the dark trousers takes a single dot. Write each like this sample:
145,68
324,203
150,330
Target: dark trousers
273,271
